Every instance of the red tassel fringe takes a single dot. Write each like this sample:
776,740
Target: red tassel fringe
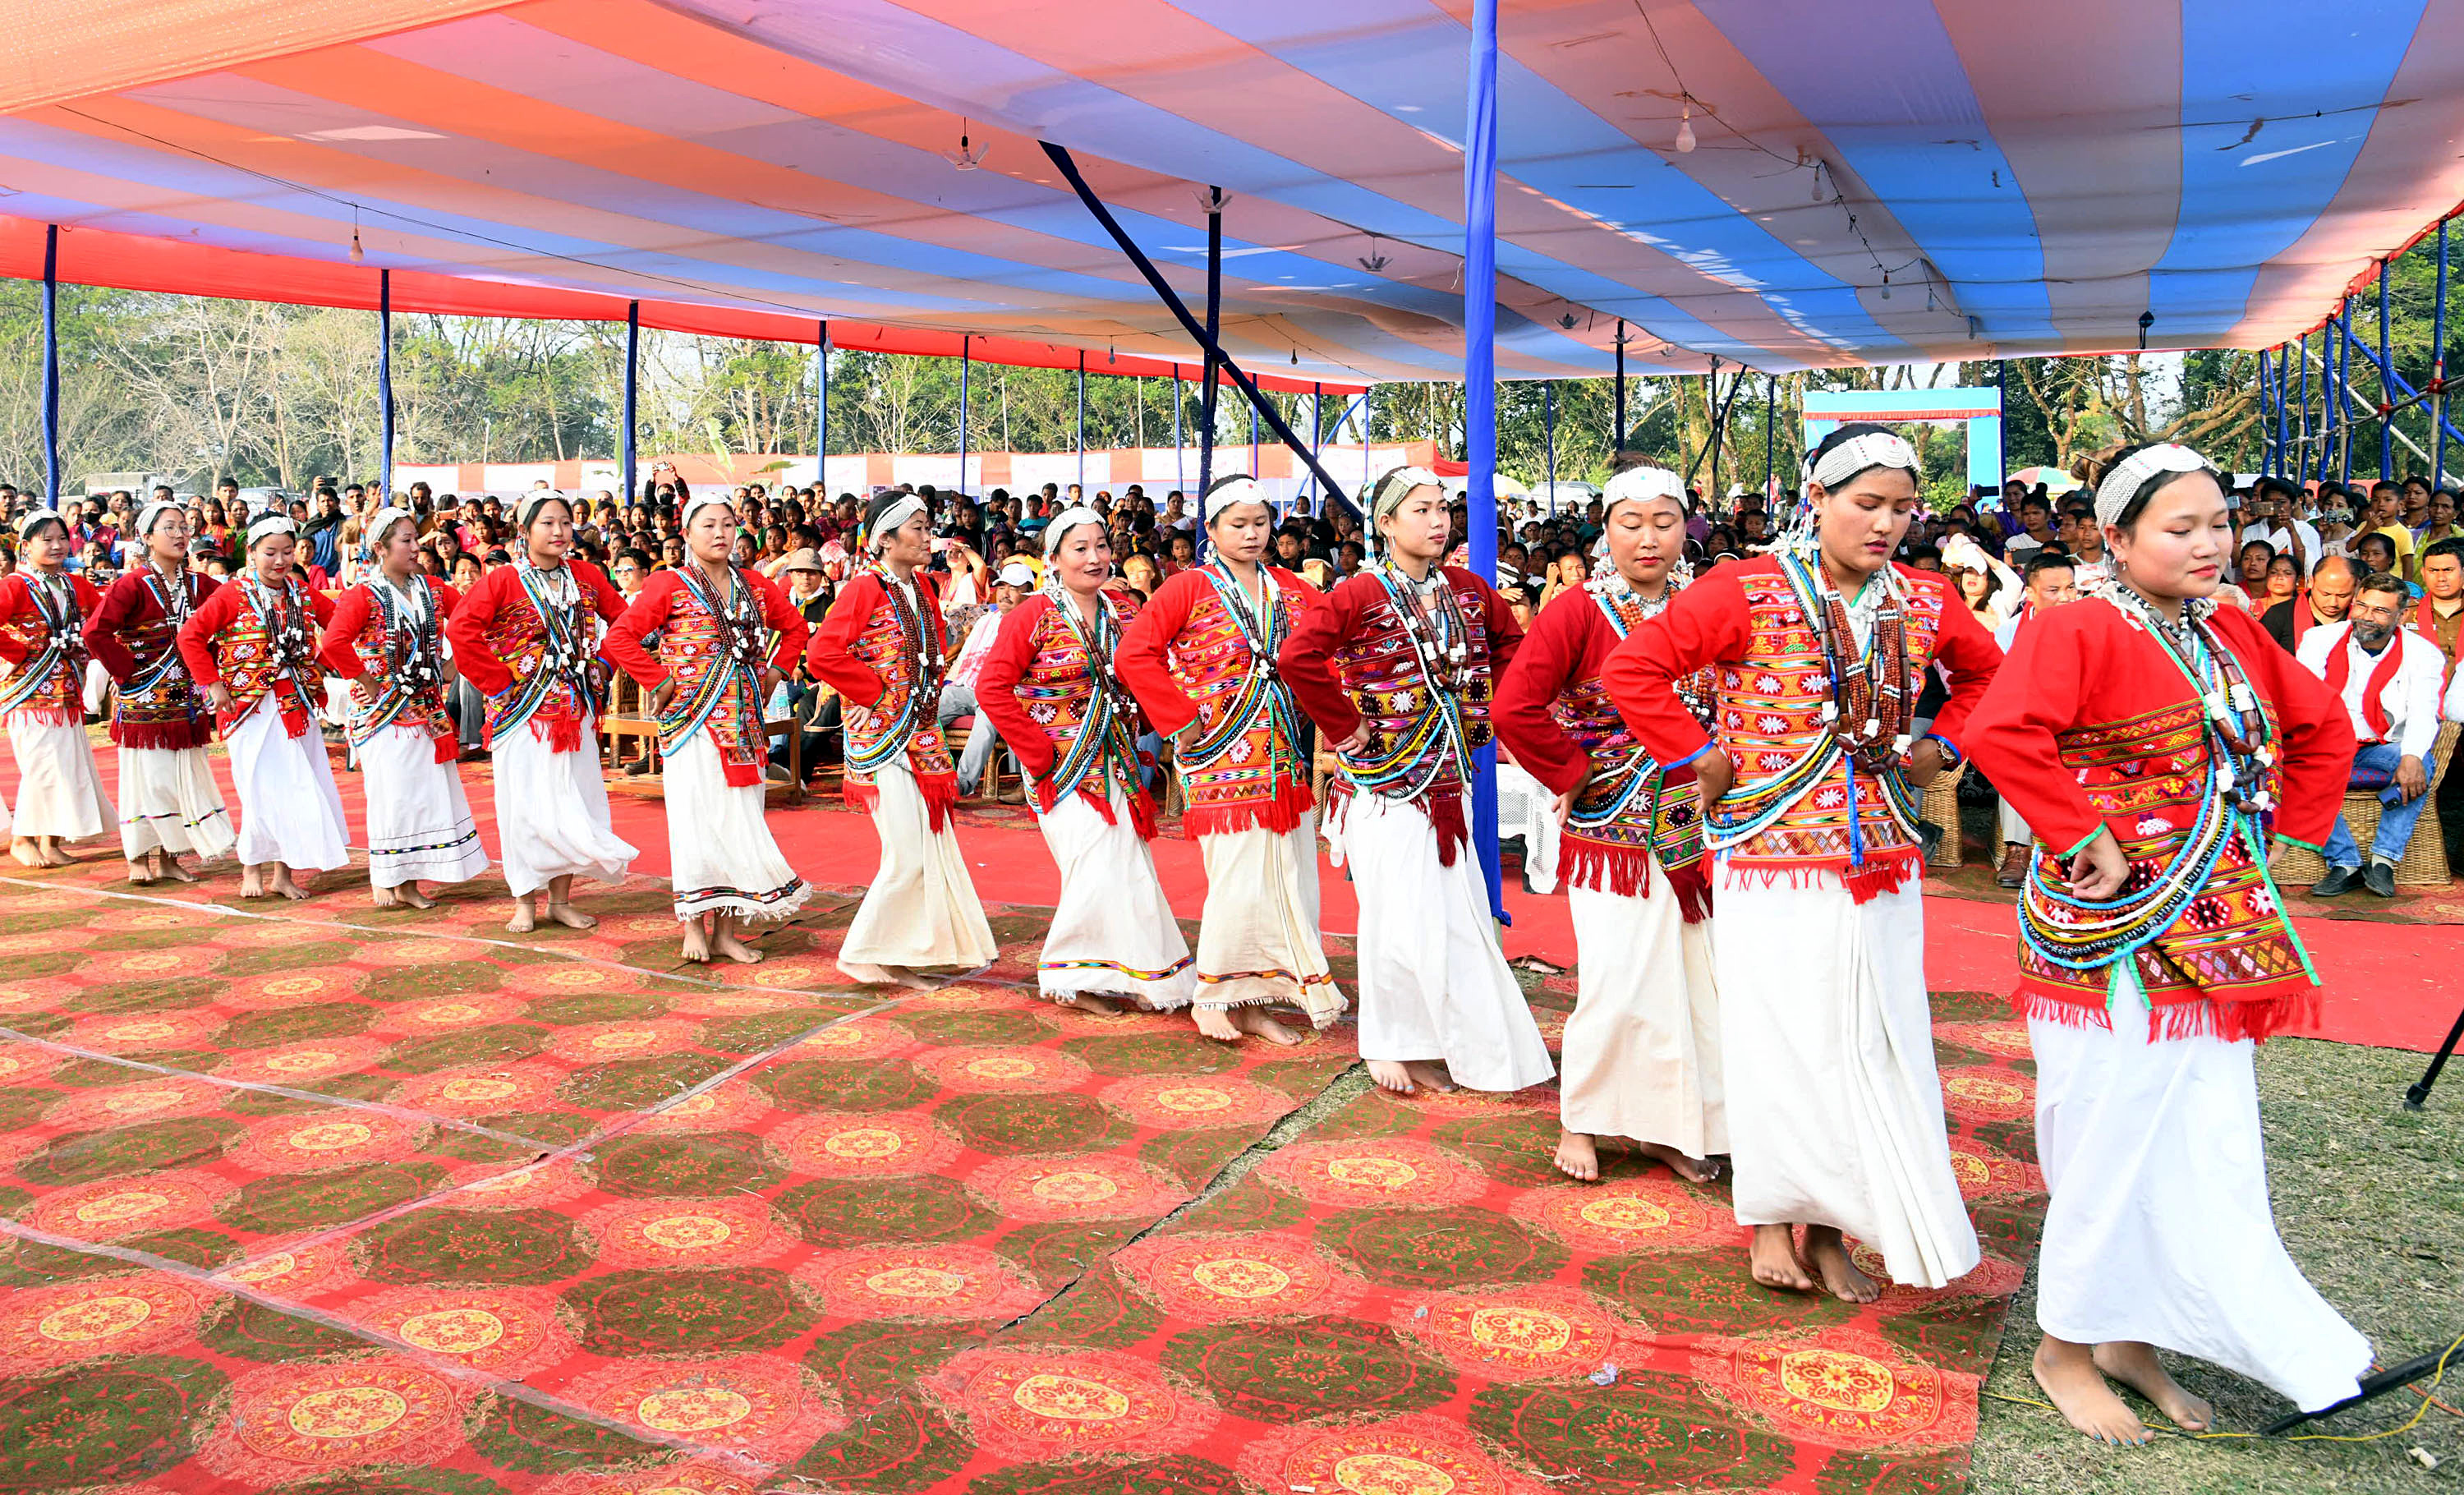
50,716
859,795
1445,813
1864,883
1622,870
1280,814
940,795
2169,1022
165,736
739,775
1692,886
444,746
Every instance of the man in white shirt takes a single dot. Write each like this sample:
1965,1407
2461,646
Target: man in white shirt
2051,581
959,686
2388,679
2273,519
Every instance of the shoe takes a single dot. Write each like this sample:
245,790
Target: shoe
2014,865
2379,878
2338,881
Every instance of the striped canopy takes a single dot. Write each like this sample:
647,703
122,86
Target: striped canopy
1878,181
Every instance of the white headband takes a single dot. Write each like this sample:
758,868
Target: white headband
1234,491
534,501
1637,484
1871,449
153,511
383,520
2122,483
699,502
32,519
1397,484
1064,522
896,515
269,525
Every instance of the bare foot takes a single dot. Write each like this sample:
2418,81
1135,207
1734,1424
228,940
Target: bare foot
1693,1170
26,852
252,882
1432,1074
169,866
696,941
2068,1374
141,874
1393,1074
1102,1003
525,918
908,978
734,948
1217,1022
1774,1260
2135,1364
283,885
385,898
55,854
1828,1254
410,894
570,917
1577,1157
1263,1024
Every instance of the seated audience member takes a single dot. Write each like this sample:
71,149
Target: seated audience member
2377,555
2388,679
2327,599
2050,583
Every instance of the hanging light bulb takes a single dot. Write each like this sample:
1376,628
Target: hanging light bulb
357,253
1886,285
1816,194
1685,130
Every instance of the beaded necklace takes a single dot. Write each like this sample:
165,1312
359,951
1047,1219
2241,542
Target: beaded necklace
1627,609
738,616
1435,630
414,649
566,646
920,643
1872,705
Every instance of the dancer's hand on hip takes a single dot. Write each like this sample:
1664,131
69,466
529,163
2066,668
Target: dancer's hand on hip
218,697
1715,774
2099,869
1564,802
660,697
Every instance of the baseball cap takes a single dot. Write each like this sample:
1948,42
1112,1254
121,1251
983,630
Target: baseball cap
1016,574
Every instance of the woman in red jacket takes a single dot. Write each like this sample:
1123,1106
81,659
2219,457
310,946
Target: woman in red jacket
1641,1053
387,637
1826,1031
1201,658
42,639
882,649
708,682
2153,740
528,635
253,647
1049,687
1397,666
169,801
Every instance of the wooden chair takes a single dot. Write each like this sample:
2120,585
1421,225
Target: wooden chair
628,720
2423,863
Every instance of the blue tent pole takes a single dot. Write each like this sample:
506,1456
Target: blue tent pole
1207,376
632,357
1480,380
51,365
2300,460
1771,423
1179,474
966,361
1366,475
1617,438
2345,387
822,408
1254,442
2386,393
2327,401
2266,427
1317,442
2438,371
384,383
1082,424
2283,411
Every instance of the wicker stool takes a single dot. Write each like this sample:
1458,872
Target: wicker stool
2423,863
1940,804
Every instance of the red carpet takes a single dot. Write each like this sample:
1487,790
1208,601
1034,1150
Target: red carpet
2383,980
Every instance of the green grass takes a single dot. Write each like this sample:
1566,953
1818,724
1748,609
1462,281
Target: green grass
2369,1198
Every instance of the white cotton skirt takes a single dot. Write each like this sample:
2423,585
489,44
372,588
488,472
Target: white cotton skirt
1113,931
1826,1037
288,811
168,800
1257,934
60,790
2160,1228
1434,984
721,857
922,908
1641,1052
552,813
419,820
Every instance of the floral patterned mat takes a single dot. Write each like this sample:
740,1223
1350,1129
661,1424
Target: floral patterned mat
307,1200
